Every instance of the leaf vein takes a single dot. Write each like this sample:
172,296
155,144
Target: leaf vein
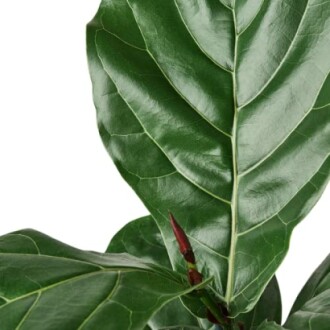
178,92
88,318
161,149
267,156
322,107
275,214
31,239
28,313
207,247
282,61
255,16
197,43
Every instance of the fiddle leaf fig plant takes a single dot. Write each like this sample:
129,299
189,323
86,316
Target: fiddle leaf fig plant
216,112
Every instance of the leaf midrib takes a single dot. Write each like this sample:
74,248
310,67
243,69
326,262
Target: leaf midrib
233,238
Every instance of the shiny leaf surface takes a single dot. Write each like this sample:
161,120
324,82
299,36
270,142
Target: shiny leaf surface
141,238
270,326
47,282
311,310
269,307
219,112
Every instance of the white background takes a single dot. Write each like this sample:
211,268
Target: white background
55,175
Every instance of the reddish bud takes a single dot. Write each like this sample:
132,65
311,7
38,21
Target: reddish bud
189,256
195,277
183,241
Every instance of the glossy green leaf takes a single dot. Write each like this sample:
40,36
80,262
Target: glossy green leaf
311,310
219,112
141,238
269,307
47,284
270,326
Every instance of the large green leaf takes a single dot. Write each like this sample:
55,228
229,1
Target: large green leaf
311,310
142,238
45,284
219,111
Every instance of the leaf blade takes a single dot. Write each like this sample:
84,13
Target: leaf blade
171,84
85,287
